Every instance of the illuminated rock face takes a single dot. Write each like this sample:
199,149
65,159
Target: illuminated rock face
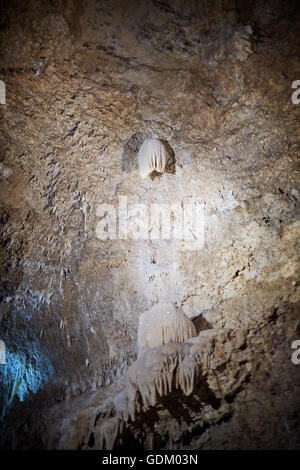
85,86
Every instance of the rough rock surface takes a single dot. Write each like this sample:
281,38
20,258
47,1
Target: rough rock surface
86,83
207,393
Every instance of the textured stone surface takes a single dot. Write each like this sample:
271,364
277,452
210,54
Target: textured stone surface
86,82
239,397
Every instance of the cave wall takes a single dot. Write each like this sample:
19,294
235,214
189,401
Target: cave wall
86,82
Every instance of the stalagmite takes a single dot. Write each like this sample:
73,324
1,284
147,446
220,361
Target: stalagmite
162,324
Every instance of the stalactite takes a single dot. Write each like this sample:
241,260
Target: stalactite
152,157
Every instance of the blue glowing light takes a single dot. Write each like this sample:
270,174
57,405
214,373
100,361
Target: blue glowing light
26,371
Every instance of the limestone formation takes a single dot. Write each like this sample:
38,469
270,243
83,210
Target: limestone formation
162,324
152,157
86,85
